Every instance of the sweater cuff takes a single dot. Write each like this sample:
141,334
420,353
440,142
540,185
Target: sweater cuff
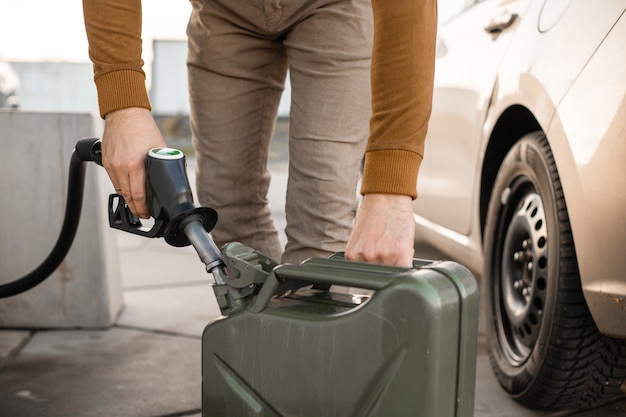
391,171
122,89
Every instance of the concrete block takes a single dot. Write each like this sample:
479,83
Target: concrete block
85,290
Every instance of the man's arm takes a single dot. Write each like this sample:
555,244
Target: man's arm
403,62
114,34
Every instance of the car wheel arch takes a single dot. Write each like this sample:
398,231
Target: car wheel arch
512,124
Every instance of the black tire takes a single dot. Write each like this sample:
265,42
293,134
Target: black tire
544,346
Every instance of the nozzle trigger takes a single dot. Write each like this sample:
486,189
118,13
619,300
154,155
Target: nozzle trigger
121,218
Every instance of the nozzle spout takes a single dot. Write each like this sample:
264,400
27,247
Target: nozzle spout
207,249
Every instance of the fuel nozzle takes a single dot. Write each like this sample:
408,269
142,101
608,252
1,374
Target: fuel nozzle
170,198
170,203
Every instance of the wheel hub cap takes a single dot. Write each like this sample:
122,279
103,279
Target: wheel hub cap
523,277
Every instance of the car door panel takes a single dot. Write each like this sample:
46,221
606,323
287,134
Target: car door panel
463,86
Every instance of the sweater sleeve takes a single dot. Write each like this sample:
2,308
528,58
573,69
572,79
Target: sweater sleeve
114,34
403,62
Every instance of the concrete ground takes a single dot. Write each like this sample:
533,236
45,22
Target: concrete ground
148,363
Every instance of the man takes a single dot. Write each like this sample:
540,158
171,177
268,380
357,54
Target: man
238,56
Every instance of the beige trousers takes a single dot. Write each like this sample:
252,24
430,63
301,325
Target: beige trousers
239,54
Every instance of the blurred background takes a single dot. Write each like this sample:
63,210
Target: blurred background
44,60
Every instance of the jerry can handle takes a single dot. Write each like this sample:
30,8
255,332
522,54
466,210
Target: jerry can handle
329,271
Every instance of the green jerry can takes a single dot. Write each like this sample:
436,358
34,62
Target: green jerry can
408,348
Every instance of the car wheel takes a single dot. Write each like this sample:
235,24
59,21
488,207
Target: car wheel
544,347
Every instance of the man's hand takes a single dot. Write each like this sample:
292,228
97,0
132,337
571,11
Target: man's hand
128,136
384,231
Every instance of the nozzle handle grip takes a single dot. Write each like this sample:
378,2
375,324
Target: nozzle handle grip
89,149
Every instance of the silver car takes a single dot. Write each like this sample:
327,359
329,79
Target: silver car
524,181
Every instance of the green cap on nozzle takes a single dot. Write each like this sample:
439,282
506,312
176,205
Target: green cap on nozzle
166,153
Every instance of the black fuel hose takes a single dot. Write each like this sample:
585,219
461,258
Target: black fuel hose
85,150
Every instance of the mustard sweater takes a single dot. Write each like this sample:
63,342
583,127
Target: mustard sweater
403,60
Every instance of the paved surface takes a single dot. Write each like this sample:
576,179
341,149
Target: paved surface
148,364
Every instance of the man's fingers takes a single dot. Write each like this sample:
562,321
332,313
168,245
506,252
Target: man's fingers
128,135
138,194
131,186
384,231
384,254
